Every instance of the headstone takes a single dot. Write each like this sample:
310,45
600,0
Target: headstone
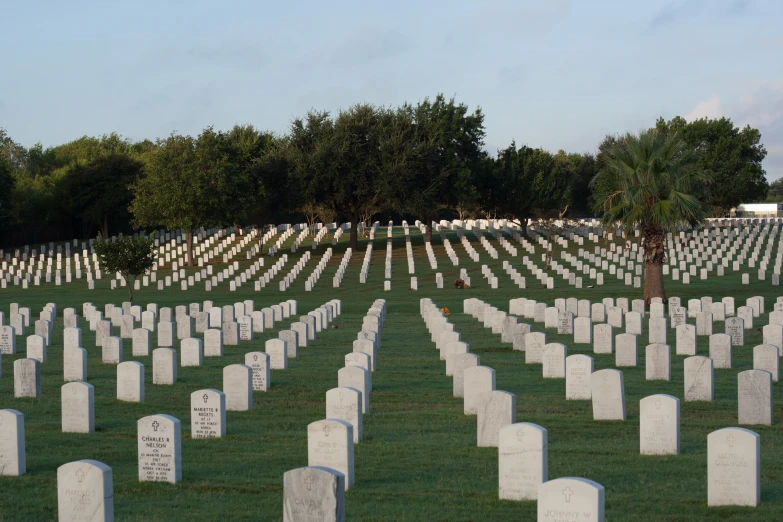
495,410
36,348
698,378
85,491
7,340
733,468
159,449
112,350
207,414
460,363
633,323
553,361
359,379
77,407
522,461
570,499
735,327
191,352
313,493
608,395
330,444
534,347
659,425
259,364
720,350
13,457
130,381
766,357
292,342
140,342
626,350
579,369
74,364
345,403
686,340
238,387
478,380
658,362
165,334
754,397
164,366
27,378
213,343
658,330
278,354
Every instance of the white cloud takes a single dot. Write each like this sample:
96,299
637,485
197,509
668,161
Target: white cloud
707,109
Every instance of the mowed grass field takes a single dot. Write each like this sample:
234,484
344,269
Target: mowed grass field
419,459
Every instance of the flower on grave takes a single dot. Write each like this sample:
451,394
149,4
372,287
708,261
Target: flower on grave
445,311
459,284
334,325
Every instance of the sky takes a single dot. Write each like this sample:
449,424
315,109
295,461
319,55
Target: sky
555,74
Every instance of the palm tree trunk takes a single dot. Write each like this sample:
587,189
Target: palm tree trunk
654,258
189,243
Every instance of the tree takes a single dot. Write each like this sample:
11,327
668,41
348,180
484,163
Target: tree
446,143
652,181
551,227
6,192
346,163
731,155
526,183
775,190
579,169
100,189
238,187
128,255
310,211
176,189
326,214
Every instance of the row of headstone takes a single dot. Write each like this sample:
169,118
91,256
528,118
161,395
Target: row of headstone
317,491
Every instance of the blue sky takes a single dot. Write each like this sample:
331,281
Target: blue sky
556,74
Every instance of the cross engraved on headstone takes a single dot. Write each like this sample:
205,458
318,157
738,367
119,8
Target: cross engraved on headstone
309,482
327,429
255,358
205,397
80,475
520,435
657,405
567,492
731,440
342,395
155,425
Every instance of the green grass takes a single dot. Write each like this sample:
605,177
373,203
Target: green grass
419,459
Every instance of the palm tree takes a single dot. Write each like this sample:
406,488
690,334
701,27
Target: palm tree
651,181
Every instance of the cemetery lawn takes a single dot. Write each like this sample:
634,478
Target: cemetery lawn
419,459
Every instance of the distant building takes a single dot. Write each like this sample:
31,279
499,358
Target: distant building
758,210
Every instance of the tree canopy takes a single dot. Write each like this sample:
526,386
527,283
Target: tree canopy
130,256
417,161
732,156
653,181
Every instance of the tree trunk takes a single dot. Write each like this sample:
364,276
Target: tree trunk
428,232
130,287
105,226
654,258
189,243
524,223
354,231
236,229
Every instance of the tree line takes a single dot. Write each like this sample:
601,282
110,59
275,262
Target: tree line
425,161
